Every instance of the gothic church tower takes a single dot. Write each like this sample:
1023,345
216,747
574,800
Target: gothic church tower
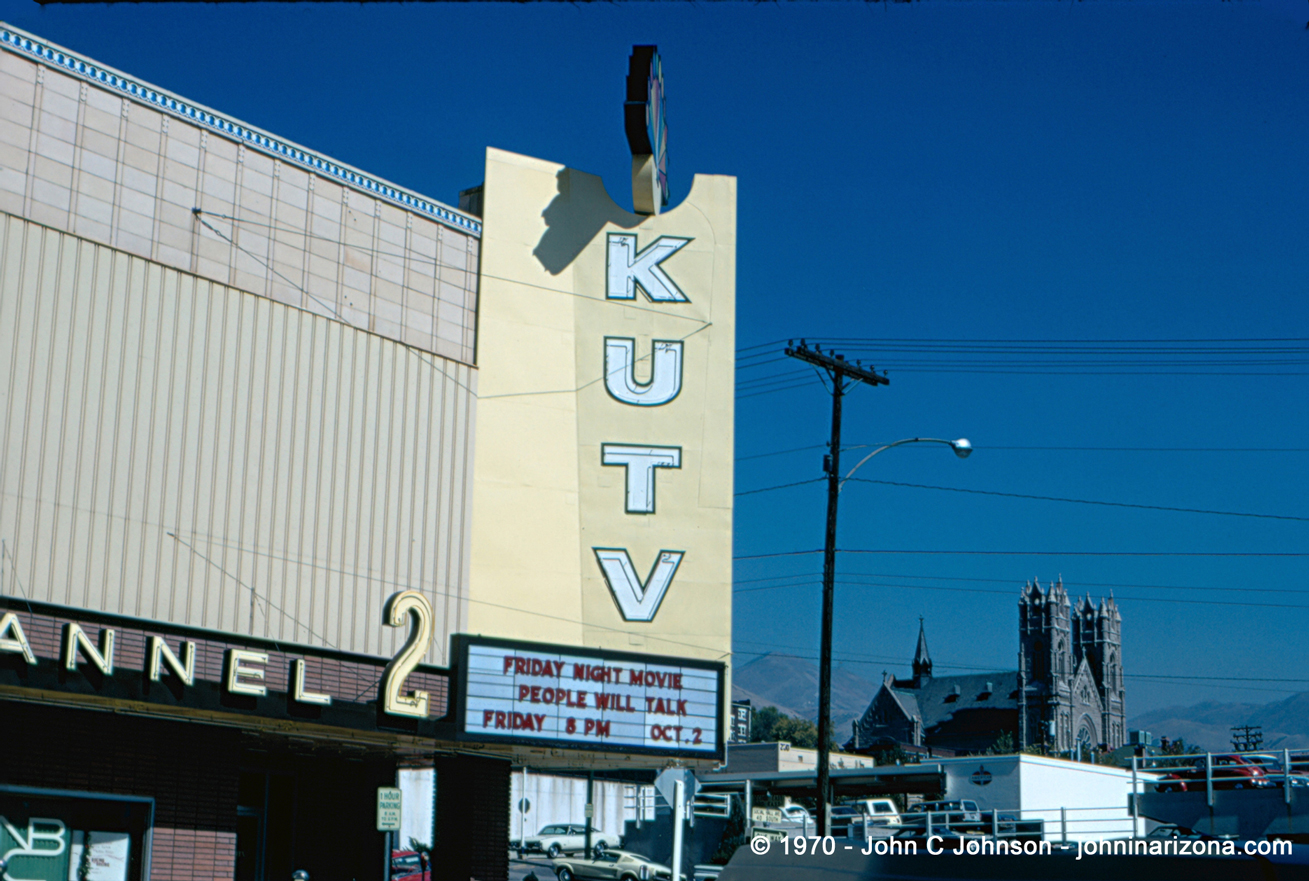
1046,665
1098,637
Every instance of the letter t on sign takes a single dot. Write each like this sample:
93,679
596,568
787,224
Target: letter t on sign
641,463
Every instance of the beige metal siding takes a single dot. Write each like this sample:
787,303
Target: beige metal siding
179,450
122,168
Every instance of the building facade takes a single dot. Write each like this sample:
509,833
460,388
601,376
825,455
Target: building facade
1068,689
256,412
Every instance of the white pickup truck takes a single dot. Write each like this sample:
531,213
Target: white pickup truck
879,811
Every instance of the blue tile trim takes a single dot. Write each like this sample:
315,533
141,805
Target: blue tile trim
18,42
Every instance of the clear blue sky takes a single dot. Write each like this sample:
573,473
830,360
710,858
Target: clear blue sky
941,171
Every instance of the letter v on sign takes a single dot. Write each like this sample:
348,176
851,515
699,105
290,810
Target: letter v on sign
637,601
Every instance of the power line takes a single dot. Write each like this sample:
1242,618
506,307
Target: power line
1055,553
782,452
1271,357
766,489
1074,587
990,448
845,582
986,492
1054,345
1032,497
931,553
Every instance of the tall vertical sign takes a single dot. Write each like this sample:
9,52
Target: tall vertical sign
602,491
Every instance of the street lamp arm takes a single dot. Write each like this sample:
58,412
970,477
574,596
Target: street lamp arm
962,448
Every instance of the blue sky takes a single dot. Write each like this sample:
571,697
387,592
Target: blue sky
1050,173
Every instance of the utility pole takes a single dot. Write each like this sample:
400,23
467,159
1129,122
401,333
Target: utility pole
843,375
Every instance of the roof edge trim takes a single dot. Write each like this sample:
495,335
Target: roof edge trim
22,43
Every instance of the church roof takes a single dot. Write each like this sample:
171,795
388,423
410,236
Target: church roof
937,700
921,657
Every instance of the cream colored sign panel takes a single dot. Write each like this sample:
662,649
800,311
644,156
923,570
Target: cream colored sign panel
603,476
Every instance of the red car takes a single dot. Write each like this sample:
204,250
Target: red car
1230,772
408,865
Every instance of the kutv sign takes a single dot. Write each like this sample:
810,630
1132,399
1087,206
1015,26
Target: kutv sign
602,512
627,272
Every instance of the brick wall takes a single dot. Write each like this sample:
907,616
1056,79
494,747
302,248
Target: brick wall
472,825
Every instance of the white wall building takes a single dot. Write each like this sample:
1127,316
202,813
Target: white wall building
1074,798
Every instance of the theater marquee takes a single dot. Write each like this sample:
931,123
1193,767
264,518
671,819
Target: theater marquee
561,696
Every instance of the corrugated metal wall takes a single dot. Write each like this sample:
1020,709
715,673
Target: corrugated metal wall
182,451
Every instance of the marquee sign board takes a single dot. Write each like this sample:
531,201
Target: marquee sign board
583,698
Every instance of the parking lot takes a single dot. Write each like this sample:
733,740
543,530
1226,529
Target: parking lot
520,869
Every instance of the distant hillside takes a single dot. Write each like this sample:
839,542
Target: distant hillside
1208,725
791,685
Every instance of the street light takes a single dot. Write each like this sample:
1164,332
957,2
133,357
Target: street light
962,448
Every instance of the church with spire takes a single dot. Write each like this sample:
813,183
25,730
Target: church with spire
1067,691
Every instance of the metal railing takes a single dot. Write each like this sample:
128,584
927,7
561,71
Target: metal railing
1274,768
638,803
1102,821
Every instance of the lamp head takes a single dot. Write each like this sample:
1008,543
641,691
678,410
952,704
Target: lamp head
962,448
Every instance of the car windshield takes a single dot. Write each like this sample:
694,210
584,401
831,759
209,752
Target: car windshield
554,830
843,811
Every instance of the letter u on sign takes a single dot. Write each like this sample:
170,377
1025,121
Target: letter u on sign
665,372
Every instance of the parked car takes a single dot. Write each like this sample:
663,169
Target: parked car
1172,832
841,818
799,817
409,865
612,865
962,813
797,814
1276,774
879,811
570,838
1229,772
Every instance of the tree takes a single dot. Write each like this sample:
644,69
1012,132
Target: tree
1175,748
1003,746
799,732
770,724
762,723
